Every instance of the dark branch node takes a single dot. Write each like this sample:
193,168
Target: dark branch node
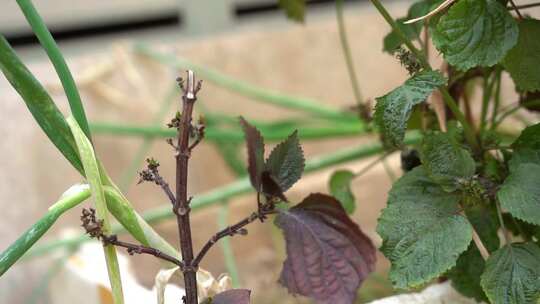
151,174
175,122
93,227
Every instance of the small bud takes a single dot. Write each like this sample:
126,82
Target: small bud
152,164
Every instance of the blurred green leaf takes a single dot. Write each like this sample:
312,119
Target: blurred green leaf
40,104
295,9
17,249
340,188
137,227
392,40
93,176
58,61
520,193
523,60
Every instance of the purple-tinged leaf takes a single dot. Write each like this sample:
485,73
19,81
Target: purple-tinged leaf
286,162
328,257
255,151
232,296
270,187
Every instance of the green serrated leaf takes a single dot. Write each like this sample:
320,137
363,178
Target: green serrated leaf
286,162
529,138
523,60
483,217
475,33
512,275
392,40
394,109
470,265
422,231
519,227
520,193
526,147
340,188
465,276
295,9
445,161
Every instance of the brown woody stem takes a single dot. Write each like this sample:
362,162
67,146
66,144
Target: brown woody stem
237,228
165,187
181,208
140,249
516,9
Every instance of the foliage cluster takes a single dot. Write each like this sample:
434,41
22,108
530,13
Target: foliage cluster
466,208
469,210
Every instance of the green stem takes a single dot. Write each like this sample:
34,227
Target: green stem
216,134
239,187
18,248
512,110
448,99
370,165
391,174
507,238
417,53
467,129
347,52
487,90
228,254
93,176
497,102
246,89
58,61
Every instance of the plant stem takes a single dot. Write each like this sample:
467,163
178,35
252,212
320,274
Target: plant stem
18,248
347,52
512,110
39,103
58,61
480,245
237,228
257,93
93,176
216,134
384,13
391,174
182,208
516,9
497,102
231,190
487,91
448,99
476,239
524,6
507,238
228,254
468,130
370,165
140,249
